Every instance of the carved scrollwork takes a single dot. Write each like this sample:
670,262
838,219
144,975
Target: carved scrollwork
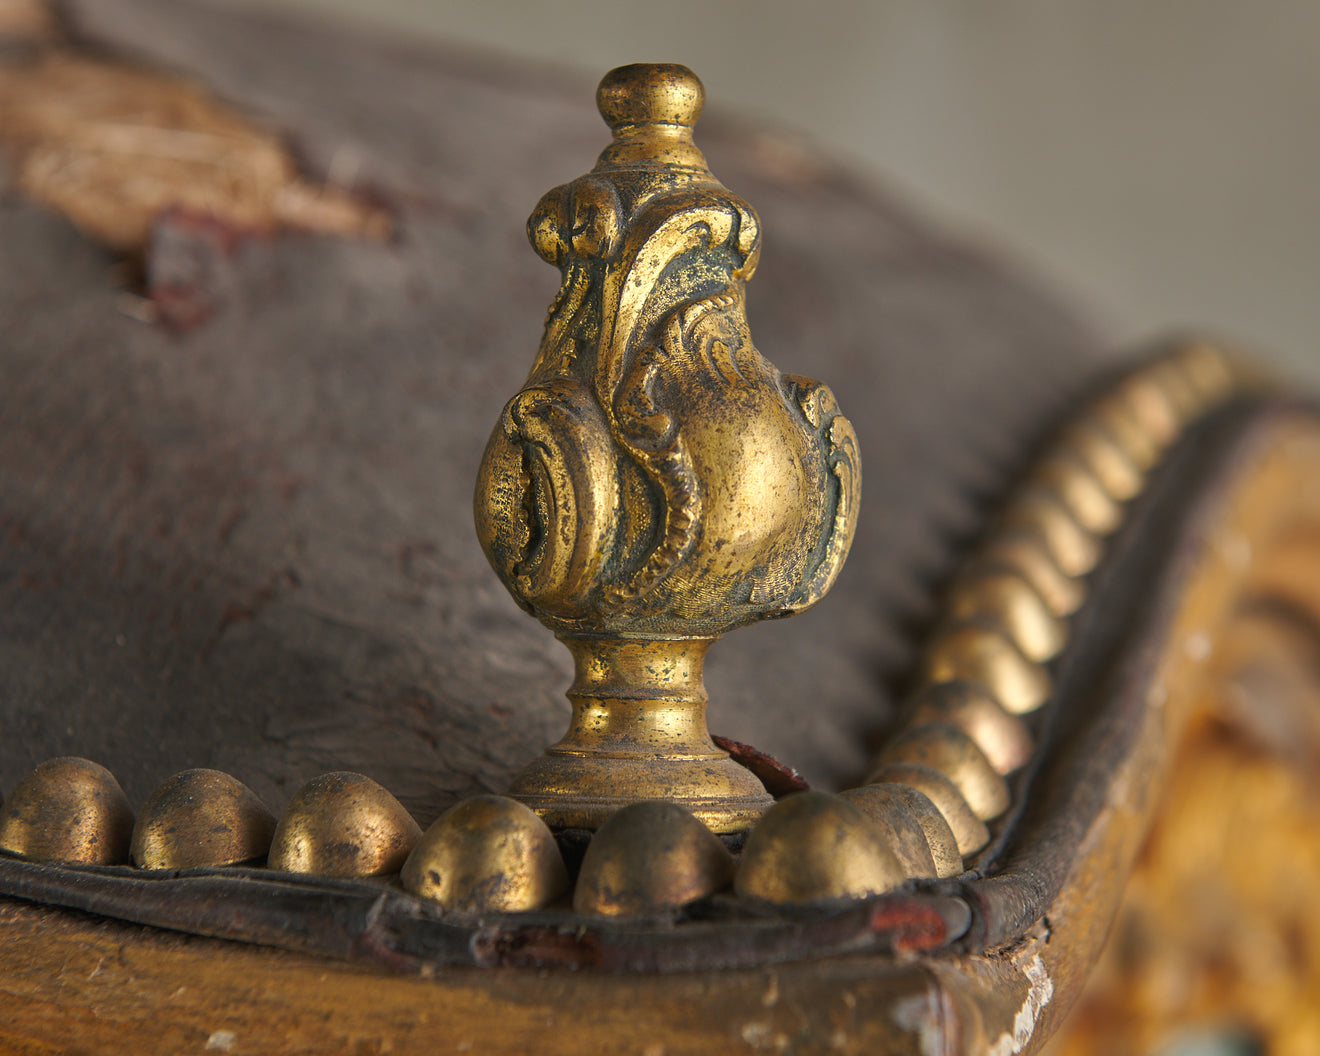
552,467
669,480
657,478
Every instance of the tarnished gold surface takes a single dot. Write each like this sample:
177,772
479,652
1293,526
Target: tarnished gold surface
1178,388
1209,371
1006,615
1002,737
487,854
1065,476
904,825
343,824
1115,415
1150,404
68,810
638,731
1075,550
649,857
201,817
656,482
944,747
985,657
896,803
814,847
1007,600
968,830
1246,948
1097,449
1023,550
974,1003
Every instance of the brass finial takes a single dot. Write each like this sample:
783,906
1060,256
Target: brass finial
656,482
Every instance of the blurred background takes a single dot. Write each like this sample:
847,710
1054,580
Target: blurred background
1159,162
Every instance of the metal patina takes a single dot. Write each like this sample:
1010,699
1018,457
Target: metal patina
656,482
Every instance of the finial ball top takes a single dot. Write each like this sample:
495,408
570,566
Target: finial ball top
650,93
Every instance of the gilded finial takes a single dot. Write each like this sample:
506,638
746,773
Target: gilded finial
656,482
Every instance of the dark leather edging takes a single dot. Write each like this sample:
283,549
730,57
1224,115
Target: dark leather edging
378,923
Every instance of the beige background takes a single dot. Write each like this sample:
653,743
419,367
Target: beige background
1159,160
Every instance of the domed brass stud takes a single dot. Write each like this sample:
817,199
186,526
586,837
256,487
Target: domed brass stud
971,653
1006,600
1210,372
1114,414
1067,478
945,748
1096,448
343,824
1182,392
68,810
1075,550
650,857
1002,737
1024,551
1152,406
201,818
814,847
968,830
916,830
487,854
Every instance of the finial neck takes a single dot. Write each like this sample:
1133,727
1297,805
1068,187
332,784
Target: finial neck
652,108
667,147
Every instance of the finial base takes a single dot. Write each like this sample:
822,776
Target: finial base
639,733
